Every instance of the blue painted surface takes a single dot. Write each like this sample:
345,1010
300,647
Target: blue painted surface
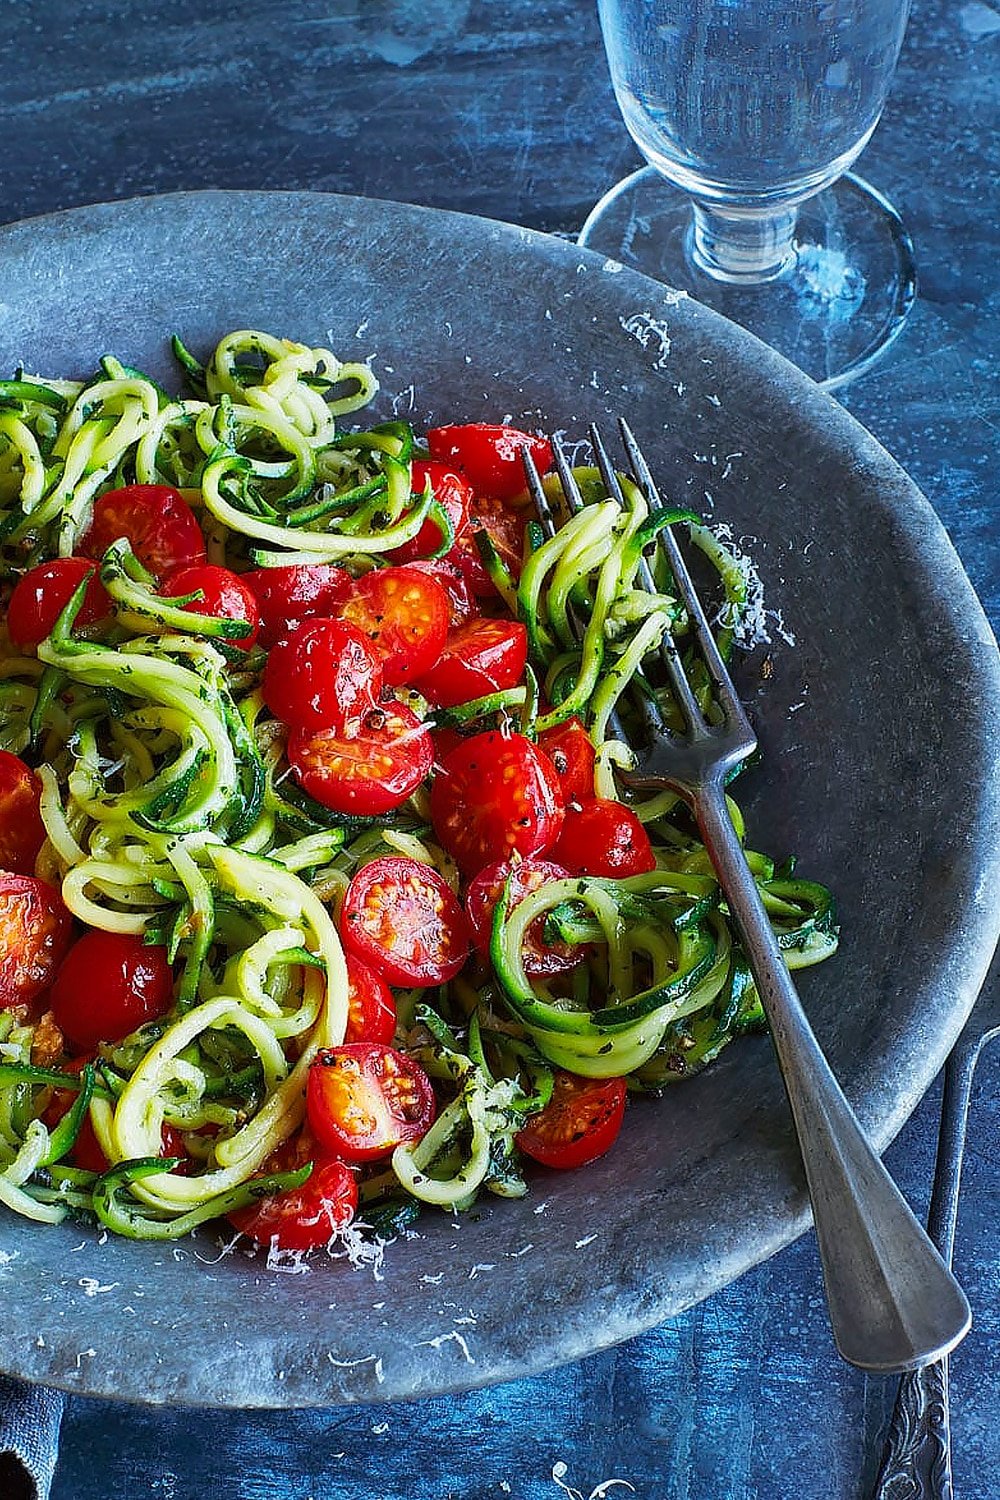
504,108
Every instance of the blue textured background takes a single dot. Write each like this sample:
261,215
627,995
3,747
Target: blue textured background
505,109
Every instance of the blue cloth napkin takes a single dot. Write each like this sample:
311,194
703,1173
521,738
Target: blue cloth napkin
29,1439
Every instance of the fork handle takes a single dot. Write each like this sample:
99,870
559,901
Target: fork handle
917,1457
894,1305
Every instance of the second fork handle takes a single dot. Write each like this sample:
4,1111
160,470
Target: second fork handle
894,1305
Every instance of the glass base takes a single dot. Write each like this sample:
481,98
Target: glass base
833,309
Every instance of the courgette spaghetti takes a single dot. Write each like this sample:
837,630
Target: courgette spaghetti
178,814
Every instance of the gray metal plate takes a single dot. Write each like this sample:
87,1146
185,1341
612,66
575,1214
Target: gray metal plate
879,726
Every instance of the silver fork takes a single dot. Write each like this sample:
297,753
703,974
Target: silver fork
893,1303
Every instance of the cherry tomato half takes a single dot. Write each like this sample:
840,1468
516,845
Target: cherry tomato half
305,1217
22,832
541,959
42,594
603,837
401,918
483,656
496,794
224,596
403,612
35,930
157,521
571,750
371,1010
453,494
461,605
88,1154
324,675
580,1122
489,455
363,1100
369,771
288,595
504,525
108,984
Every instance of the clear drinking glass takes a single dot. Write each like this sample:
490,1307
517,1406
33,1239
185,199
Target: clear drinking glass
749,113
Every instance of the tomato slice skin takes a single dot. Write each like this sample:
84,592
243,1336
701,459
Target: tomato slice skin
402,919
403,612
481,657
89,1156
364,1099
367,772
109,984
224,596
603,837
580,1122
489,455
453,494
41,595
371,1010
571,751
288,595
324,675
22,832
541,960
306,1217
35,931
158,523
505,526
496,795
461,605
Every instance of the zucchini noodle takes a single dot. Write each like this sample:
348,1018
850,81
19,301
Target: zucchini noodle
170,813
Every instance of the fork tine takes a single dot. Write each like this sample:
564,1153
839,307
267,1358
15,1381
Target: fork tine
703,631
607,469
536,490
570,488
669,655
574,501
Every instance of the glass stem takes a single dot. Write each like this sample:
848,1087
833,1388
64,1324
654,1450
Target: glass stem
743,247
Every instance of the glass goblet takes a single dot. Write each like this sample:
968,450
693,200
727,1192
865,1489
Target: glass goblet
749,113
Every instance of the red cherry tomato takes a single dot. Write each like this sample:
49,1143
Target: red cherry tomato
481,657
404,614
580,1122
453,494
87,1153
89,1156
571,750
370,771
42,594
288,595
305,1217
364,1100
224,596
602,837
461,605
371,1011
158,523
445,741
541,959
325,675
35,930
107,986
62,1100
489,455
496,795
504,525
22,832
400,917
